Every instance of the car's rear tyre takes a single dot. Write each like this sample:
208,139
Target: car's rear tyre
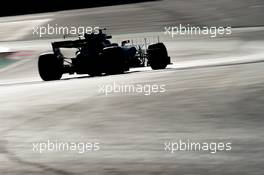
158,56
114,60
85,65
50,67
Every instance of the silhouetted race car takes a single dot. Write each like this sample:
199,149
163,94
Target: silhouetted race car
96,56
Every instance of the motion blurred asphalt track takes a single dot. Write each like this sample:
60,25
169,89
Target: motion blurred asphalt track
214,92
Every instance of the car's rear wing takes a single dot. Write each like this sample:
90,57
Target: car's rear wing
69,44
80,42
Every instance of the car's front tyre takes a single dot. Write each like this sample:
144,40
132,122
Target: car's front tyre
158,56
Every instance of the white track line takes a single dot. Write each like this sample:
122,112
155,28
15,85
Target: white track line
259,57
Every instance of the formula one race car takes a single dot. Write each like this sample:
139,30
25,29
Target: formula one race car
96,55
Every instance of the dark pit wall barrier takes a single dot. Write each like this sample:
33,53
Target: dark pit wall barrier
21,7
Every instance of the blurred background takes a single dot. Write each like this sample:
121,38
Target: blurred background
214,90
